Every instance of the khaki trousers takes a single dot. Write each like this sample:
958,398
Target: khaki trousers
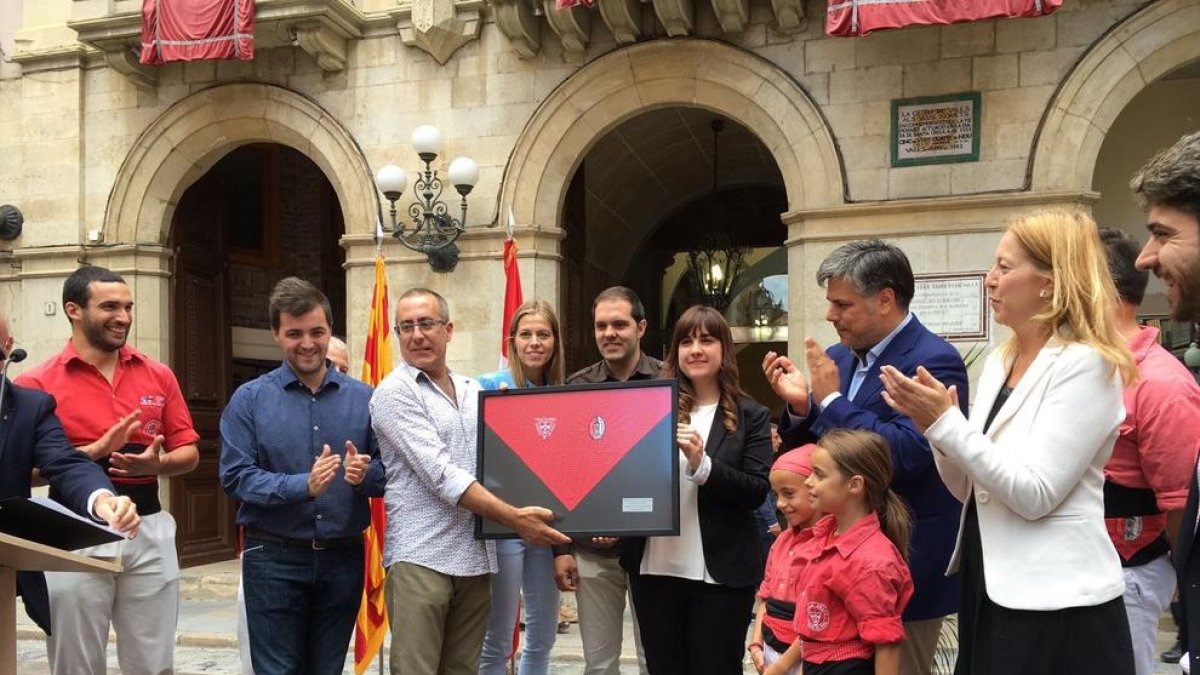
438,621
920,643
601,597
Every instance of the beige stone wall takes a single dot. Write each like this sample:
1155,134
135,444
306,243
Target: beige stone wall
87,150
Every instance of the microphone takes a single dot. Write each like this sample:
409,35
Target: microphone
16,356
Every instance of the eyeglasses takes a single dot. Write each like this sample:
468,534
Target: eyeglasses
426,325
530,336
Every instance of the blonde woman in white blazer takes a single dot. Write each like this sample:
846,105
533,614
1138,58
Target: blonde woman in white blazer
1041,582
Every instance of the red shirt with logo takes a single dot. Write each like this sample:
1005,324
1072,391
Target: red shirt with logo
88,404
851,593
785,561
1157,445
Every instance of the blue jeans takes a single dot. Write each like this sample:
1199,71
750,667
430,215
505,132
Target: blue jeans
300,606
524,571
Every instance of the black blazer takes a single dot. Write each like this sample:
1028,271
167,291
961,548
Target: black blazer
32,437
735,488
1187,566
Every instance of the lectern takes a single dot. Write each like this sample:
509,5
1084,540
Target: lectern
22,555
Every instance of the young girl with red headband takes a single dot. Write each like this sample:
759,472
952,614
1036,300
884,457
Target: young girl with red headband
773,632
856,582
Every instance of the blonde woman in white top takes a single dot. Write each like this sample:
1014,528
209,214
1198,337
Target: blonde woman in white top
1041,582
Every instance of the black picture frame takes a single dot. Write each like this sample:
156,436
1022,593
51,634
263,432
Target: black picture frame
637,494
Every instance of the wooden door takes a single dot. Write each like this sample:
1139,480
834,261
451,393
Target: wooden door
201,358
577,282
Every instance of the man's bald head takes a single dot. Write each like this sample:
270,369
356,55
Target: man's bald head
6,340
338,355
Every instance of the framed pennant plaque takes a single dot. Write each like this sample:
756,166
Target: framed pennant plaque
602,457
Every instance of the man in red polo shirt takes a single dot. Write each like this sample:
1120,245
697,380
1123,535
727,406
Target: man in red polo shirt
1146,480
97,381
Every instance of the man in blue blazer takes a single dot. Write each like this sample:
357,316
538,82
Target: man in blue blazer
869,285
31,437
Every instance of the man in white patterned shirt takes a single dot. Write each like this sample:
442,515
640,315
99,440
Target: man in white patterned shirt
438,583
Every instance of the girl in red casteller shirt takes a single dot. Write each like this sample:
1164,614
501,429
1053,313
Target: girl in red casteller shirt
855,585
773,633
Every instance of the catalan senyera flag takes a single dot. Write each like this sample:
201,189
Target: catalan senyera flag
512,295
377,361
372,622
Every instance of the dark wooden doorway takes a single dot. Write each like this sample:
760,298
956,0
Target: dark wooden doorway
263,212
201,355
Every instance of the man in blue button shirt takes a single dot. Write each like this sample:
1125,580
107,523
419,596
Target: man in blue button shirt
298,452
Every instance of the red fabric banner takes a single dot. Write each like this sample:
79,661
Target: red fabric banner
859,17
197,30
567,4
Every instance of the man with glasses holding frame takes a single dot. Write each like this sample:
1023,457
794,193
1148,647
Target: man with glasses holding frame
425,418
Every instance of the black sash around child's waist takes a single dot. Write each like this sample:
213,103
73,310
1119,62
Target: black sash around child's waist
770,638
777,609
781,609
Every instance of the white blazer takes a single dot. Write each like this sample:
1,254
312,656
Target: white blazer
1038,477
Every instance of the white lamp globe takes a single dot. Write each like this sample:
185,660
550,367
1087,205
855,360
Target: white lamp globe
391,181
427,140
464,172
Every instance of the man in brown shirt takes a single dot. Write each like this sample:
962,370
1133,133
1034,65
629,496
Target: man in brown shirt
591,567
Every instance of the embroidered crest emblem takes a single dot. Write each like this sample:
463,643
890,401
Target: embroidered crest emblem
152,428
1133,528
545,426
818,616
597,428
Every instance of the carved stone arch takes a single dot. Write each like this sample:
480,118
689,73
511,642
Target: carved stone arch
1155,40
194,133
693,72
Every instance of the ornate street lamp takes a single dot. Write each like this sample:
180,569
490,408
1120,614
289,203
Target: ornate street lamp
431,229
714,266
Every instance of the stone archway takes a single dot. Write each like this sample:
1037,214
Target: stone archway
1152,42
642,77
186,140
190,285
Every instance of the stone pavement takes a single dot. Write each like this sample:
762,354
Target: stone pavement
206,641
207,644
